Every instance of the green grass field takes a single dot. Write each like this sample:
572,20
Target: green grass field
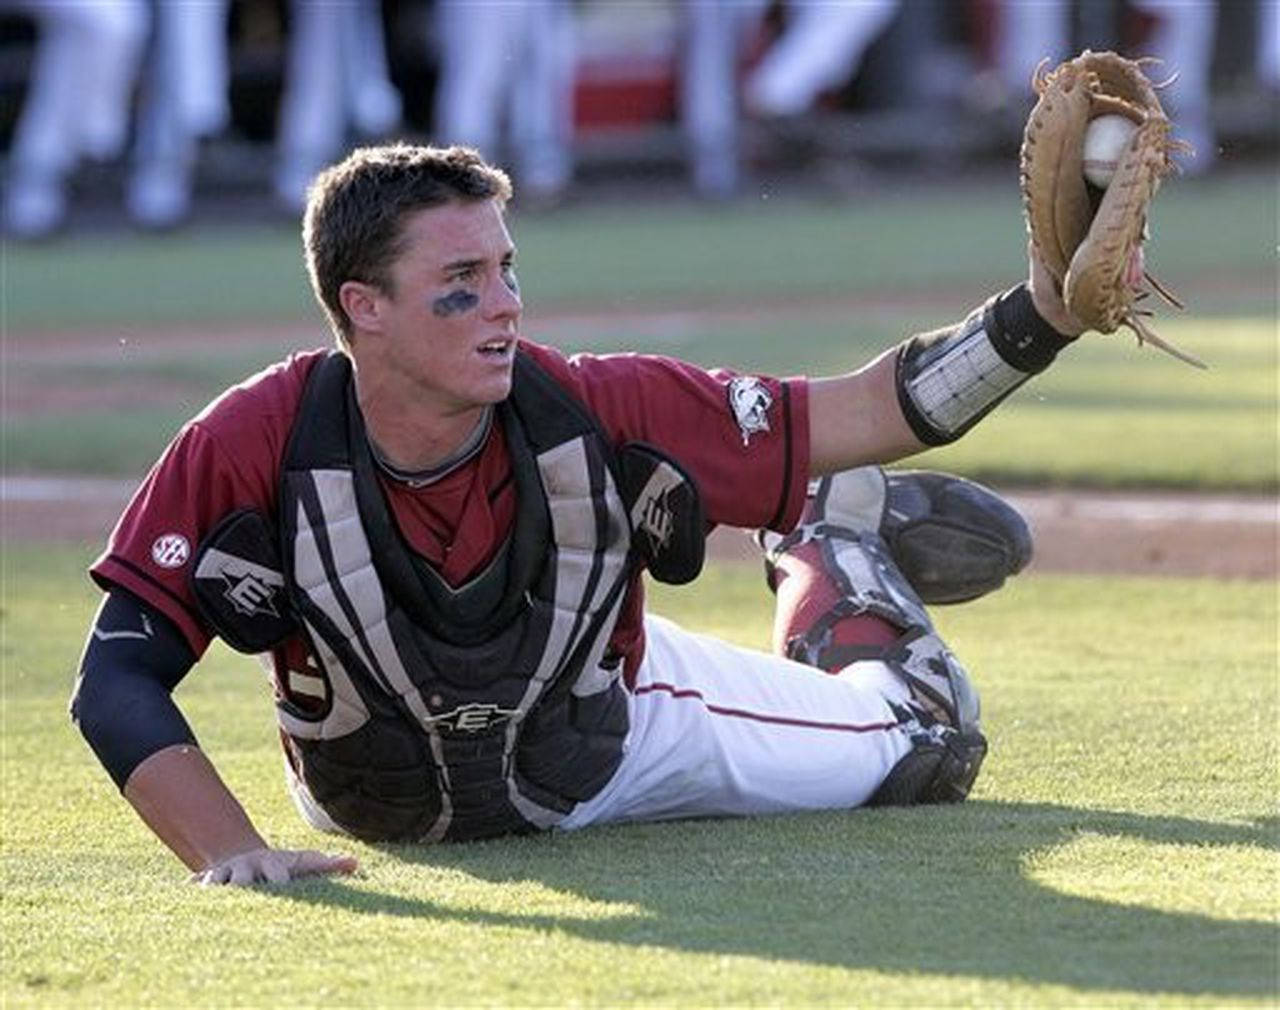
1121,846
912,238
1109,414
105,333
1120,849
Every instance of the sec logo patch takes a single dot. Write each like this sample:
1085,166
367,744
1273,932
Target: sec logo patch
171,550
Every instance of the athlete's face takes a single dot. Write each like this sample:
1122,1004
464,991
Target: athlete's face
449,324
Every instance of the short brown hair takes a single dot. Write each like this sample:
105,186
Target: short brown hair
353,226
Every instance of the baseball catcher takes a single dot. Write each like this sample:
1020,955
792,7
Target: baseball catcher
434,536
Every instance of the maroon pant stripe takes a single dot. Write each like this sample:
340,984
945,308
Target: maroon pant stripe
738,713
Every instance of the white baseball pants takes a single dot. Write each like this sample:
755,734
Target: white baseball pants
718,730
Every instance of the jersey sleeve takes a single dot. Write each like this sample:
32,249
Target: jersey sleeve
743,438
225,459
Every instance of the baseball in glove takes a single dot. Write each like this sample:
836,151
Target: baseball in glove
1090,240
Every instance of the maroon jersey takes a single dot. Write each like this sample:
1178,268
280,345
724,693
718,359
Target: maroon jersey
745,441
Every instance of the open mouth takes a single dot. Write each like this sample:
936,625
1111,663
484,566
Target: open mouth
497,348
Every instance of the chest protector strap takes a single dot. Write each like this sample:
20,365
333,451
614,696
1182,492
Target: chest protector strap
456,712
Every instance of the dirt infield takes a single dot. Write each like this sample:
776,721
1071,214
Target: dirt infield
1153,534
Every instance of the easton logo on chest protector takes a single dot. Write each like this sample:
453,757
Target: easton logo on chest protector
666,513
653,517
473,718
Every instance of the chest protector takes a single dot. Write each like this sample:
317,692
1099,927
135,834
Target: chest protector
462,712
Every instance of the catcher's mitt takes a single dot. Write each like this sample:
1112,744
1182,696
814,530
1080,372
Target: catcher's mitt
1092,246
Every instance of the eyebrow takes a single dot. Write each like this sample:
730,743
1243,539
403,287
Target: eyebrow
456,265
471,264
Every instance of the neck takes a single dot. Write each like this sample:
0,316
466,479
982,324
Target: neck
413,435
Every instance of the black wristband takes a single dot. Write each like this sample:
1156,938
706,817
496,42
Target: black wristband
1020,334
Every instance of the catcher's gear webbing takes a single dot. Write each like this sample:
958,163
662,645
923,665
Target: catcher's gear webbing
1090,240
132,661
949,379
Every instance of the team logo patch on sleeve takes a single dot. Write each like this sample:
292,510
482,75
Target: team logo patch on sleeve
171,550
750,400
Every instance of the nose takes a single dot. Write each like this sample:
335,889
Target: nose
503,300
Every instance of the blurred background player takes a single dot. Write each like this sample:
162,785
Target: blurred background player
184,98
336,82
505,88
819,50
845,83
77,105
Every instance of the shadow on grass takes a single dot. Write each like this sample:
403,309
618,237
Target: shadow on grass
935,891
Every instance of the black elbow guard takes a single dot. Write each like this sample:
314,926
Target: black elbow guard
132,661
950,379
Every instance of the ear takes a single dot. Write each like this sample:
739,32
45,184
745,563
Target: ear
362,303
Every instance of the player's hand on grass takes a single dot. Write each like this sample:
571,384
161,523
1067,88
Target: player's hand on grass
1046,295
273,866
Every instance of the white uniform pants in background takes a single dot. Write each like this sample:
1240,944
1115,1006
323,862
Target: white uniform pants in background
718,730
184,97
78,101
821,48
337,77
709,92
509,60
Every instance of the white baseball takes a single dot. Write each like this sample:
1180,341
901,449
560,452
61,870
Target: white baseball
1105,139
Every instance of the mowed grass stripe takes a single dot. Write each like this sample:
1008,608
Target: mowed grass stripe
1107,414
911,238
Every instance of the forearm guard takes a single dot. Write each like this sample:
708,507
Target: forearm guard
950,379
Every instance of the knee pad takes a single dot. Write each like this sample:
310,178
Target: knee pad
941,690
954,540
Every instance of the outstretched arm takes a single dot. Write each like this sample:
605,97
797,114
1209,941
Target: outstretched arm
934,387
132,661
181,797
